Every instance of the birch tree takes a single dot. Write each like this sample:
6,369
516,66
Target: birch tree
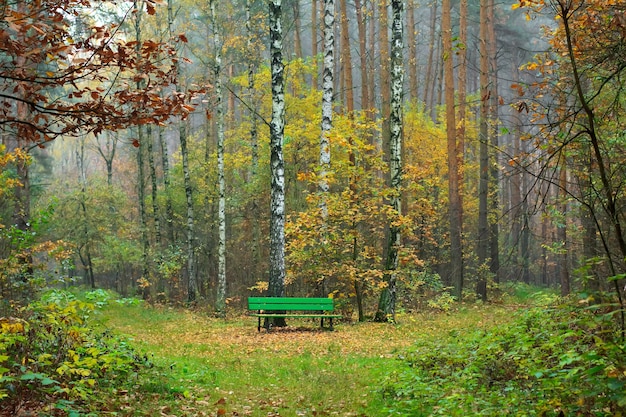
328,81
220,303
327,96
277,163
387,304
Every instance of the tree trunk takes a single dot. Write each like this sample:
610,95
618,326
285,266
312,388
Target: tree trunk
143,222
412,50
192,284
462,54
562,230
327,95
385,87
429,80
107,152
145,243
494,171
220,302
87,263
277,164
365,97
346,58
455,209
169,209
327,113
482,249
314,39
254,140
371,61
295,4
387,303
156,218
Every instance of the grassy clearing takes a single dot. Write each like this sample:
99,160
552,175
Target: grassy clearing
216,367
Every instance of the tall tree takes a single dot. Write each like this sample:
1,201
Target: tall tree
431,70
387,304
385,86
494,171
561,230
412,50
192,283
107,150
220,302
365,76
314,40
327,96
277,163
84,251
454,193
346,59
140,144
327,109
482,249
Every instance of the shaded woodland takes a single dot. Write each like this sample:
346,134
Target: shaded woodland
137,139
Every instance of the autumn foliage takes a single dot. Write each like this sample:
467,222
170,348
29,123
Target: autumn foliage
66,70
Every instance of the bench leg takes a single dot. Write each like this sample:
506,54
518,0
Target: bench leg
258,327
331,323
321,322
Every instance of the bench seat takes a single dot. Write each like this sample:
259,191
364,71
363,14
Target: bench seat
274,307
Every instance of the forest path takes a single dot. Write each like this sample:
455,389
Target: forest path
226,367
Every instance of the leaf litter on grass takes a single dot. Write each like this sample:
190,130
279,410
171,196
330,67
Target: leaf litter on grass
293,371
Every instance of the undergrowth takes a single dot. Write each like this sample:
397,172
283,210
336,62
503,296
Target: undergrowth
560,360
52,363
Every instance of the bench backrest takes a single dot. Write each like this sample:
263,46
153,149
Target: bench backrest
290,303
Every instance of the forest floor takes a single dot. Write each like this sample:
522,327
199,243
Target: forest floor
214,367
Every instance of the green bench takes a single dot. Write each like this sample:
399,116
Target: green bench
270,307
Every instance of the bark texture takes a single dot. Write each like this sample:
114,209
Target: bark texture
277,163
387,304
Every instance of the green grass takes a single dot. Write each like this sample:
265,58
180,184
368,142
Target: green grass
212,367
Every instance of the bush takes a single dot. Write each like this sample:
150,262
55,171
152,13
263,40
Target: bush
50,358
550,361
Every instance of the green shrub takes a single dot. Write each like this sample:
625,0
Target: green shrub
51,358
550,360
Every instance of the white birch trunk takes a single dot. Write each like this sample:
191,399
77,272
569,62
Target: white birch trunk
387,304
327,98
220,303
277,164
